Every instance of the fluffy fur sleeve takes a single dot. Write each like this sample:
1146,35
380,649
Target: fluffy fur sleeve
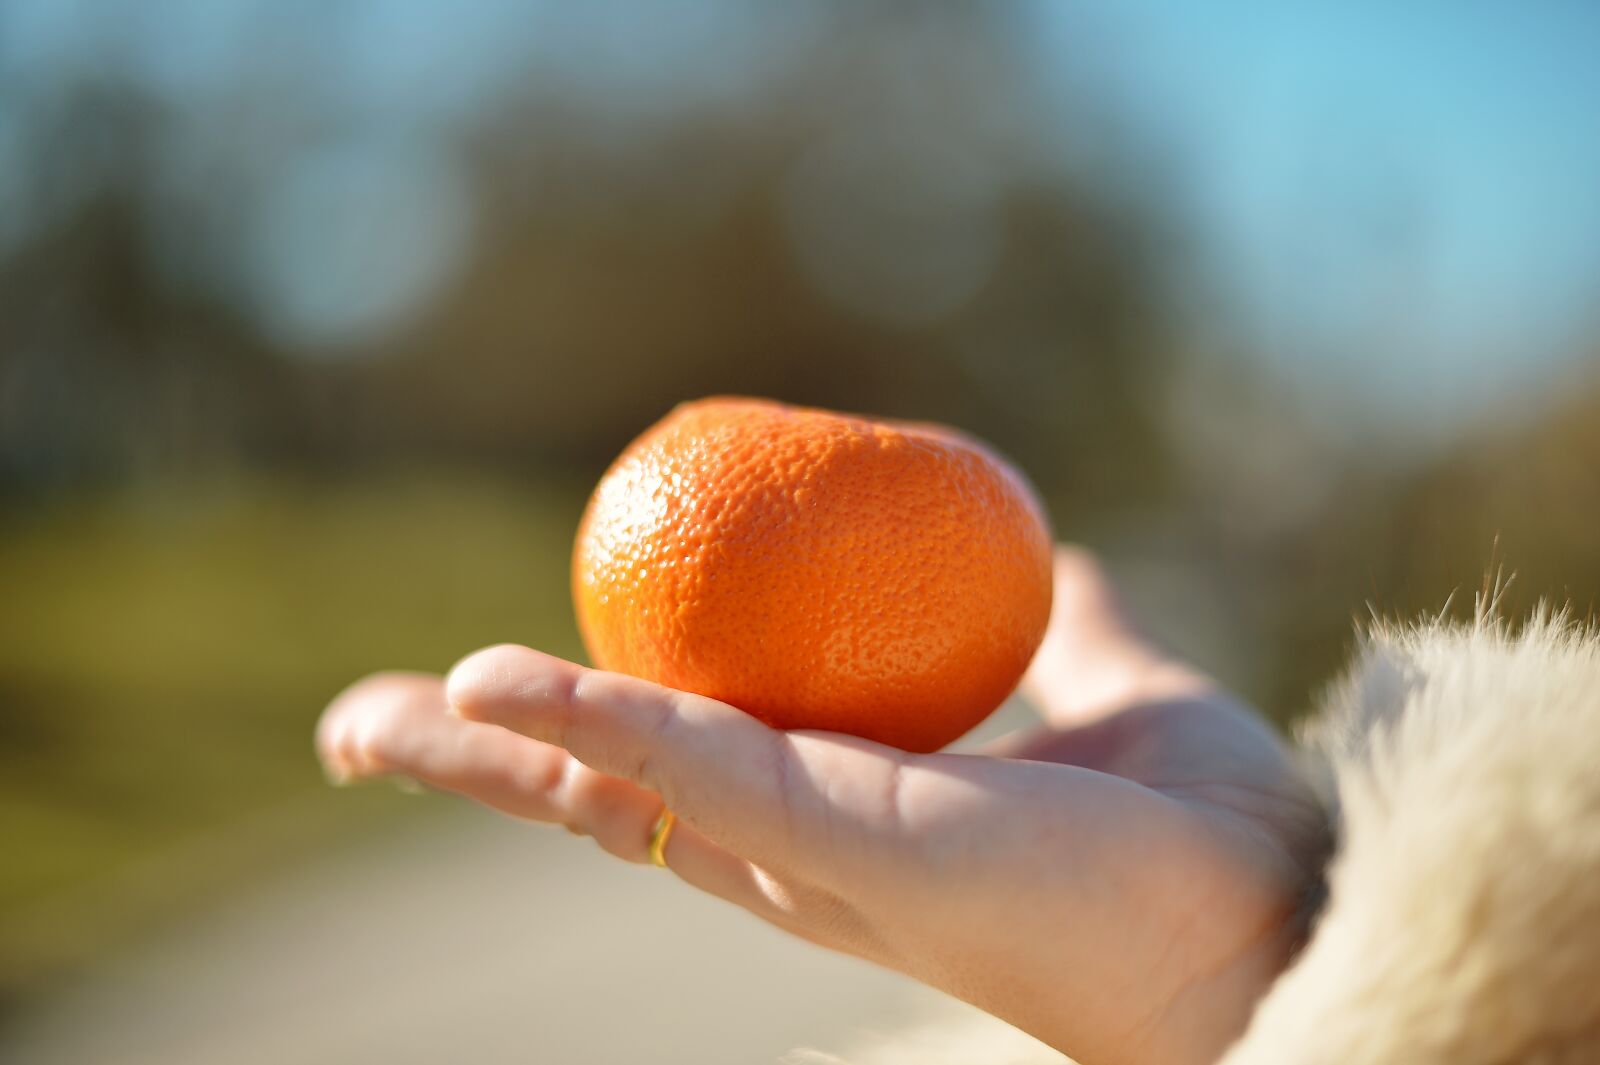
1462,925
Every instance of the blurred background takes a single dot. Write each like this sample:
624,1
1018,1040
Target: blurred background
317,322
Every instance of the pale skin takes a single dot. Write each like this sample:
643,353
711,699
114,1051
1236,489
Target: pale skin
1123,882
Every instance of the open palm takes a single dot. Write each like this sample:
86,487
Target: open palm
1123,882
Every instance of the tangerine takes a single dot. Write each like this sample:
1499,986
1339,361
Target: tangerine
817,570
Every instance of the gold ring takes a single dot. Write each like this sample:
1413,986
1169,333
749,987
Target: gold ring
659,837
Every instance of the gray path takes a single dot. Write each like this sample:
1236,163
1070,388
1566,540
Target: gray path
466,939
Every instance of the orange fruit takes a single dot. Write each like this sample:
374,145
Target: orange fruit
817,570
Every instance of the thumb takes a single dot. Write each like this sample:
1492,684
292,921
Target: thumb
1094,660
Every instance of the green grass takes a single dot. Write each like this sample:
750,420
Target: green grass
163,657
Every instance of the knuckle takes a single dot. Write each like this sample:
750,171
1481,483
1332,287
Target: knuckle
606,813
538,778
660,734
822,914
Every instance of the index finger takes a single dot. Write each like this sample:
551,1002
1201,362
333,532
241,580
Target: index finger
799,801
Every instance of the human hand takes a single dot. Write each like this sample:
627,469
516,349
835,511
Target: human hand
1123,882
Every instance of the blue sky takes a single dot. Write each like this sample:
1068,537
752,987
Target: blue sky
1405,189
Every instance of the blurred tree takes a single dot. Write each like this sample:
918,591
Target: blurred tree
807,248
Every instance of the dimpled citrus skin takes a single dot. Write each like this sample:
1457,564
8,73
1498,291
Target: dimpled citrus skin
817,570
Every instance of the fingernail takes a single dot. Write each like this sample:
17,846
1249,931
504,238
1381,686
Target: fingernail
408,786
338,775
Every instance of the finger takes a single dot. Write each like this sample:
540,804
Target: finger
342,758
397,724
801,803
1094,661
